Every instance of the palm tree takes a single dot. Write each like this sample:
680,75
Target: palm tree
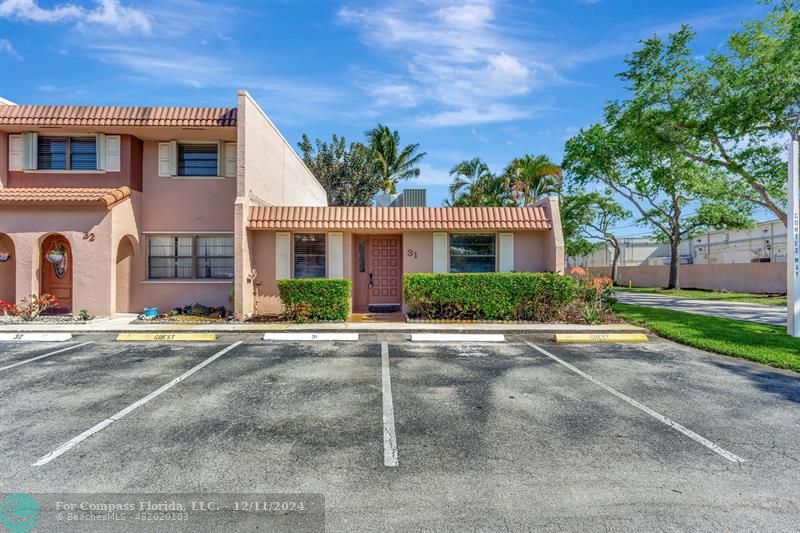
475,186
392,163
466,175
532,177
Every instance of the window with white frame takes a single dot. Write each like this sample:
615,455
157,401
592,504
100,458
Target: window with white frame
198,159
190,257
472,253
66,153
309,255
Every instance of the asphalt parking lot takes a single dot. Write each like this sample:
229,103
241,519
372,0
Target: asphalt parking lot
520,435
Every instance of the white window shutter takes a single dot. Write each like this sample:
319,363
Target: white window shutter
164,160
230,160
506,252
15,152
283,267
440,252
335,256
220,158
100,150
30,150
112,150
173,158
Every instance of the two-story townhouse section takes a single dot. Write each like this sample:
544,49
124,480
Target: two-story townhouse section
114,209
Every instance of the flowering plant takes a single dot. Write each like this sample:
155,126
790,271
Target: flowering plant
594,295
31,307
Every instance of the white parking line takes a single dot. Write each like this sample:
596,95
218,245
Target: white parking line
310,336
389,436
35,337
457,337
658,416
108,421
62,350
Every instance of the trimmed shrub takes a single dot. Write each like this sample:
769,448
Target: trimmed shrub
315,299
538,297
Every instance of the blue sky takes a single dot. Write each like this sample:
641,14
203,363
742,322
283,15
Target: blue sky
495,79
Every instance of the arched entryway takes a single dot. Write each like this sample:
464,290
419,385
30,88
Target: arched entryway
125,253
57,271
8,270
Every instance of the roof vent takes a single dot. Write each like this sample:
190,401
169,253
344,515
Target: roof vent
415,198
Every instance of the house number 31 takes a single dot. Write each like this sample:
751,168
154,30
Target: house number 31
412,253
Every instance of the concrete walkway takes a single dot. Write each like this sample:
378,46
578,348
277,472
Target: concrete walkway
765,314
122,323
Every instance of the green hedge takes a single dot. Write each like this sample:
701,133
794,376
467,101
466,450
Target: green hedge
315,299
540,297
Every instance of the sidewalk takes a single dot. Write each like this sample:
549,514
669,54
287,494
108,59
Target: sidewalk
122,323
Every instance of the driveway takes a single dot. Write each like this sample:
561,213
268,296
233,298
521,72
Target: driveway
765,314
385,434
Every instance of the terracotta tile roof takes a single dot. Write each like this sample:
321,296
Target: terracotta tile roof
61,115
66,197
399,218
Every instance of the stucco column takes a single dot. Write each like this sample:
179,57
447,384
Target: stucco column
26,249
243,297
555,238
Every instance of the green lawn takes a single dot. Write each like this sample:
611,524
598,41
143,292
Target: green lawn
757,342
697,294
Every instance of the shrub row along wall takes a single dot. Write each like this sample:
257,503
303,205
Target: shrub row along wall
315,299
739,277
536,297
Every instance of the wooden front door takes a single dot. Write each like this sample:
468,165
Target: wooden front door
385,269
57,277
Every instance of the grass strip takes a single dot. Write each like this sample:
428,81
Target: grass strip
762,343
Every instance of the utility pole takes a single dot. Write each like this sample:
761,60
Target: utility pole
793,243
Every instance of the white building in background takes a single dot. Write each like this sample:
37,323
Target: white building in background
764,243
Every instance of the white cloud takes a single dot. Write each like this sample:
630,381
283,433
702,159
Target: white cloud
393,93
472,115
457,57
110,13
7,49
107,13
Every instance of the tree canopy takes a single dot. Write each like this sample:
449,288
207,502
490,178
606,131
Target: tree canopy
390,161
732,111
345,171
672,194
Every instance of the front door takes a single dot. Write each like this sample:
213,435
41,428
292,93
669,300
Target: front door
57,276
385,272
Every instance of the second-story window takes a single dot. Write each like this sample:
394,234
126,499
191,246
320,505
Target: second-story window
66,153
198,159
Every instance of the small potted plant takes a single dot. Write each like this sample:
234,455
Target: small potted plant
55,255
4,256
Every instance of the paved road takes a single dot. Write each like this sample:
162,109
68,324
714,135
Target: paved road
765,314
522,435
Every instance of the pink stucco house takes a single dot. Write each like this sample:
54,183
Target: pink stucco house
163,207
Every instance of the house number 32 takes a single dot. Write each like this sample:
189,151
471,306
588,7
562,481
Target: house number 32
412,253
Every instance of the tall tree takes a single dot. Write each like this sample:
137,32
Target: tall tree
345,171
474,185
732,111
532,177
672,194
467,175
391,162
591,216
